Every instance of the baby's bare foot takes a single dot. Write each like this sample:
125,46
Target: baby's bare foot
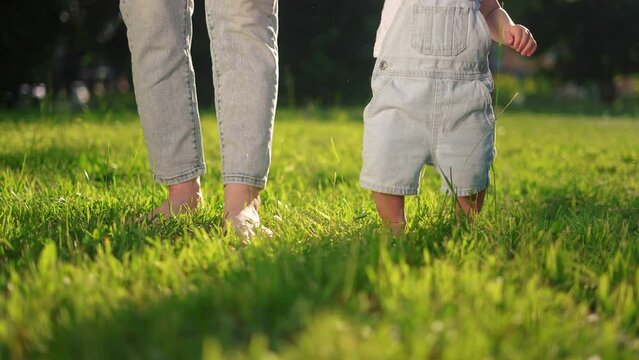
397,228
183,198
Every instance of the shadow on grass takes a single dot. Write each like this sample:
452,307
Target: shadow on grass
578,205
274,292
278,286
86,163
80,229
52,158
581,237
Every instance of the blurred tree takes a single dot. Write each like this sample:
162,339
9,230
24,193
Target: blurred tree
327,49
25,24
325,45
57,42
593,40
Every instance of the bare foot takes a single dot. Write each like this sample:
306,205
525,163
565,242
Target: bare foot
247,225
241,206
397,228
391,210
183,198
471,205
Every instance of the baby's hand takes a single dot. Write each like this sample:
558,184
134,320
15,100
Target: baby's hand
520,39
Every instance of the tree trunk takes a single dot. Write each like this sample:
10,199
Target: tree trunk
607,90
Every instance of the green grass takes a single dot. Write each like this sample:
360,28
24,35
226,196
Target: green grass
549,270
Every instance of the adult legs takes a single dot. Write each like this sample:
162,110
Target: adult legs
159,33
245,72
244,53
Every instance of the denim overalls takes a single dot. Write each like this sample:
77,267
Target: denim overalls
431,101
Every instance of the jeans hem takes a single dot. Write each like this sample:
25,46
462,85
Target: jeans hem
184,177
244,180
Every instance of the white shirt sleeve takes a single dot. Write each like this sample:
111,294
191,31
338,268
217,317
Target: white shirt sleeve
391,7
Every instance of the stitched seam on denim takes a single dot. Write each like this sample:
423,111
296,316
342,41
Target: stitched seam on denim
434,72
244,175
393,189
181,174
435,124
437,74
487,112
218,84
466,191
242,179
439,59
466,60
179,177
410,190
426,46
461,60
377,96
190,84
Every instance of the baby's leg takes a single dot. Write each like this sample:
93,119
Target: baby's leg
466,144
471,205
391,210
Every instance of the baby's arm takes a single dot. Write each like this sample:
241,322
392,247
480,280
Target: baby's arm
516,36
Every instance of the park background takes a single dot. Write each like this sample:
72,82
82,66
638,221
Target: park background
76,51
548,270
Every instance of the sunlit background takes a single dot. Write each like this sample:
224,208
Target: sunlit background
72,54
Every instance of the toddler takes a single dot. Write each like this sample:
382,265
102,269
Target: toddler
431,100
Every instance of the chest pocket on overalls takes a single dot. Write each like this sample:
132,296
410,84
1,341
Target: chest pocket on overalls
439,30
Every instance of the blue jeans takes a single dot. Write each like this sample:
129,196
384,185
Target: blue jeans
244,53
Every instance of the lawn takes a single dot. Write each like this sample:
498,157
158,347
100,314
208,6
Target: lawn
549,269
